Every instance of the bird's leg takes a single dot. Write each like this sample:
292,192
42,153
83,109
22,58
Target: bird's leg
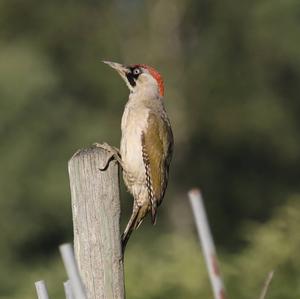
114,155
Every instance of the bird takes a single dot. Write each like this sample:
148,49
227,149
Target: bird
146,146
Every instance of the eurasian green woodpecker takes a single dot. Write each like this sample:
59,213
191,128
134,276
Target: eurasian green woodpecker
146,144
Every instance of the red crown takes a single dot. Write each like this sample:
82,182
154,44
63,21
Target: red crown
157,76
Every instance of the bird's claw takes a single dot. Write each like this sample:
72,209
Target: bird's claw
110,158
114,154
109,148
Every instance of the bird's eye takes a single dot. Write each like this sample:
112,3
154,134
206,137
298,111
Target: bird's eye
136,71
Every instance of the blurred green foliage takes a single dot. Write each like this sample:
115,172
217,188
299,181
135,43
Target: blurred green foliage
232,75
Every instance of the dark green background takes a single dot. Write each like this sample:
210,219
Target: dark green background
232,78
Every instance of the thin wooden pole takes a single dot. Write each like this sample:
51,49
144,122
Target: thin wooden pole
266,285
68,290
96,217
41,289
75,282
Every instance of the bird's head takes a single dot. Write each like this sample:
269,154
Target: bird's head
139,77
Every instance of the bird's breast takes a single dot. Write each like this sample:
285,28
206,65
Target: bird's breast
134,122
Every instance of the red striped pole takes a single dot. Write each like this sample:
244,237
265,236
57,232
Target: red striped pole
207,243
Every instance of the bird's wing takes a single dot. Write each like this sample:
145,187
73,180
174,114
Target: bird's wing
157,145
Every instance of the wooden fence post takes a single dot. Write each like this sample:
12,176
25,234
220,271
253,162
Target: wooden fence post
96,217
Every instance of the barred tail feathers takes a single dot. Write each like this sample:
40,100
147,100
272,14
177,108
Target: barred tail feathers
137,217
154,212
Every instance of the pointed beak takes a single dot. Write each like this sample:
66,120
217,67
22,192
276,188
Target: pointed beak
121,69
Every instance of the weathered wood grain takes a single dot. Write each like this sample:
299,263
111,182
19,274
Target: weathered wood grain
96,216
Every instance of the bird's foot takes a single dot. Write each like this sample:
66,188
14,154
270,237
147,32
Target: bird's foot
114,154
